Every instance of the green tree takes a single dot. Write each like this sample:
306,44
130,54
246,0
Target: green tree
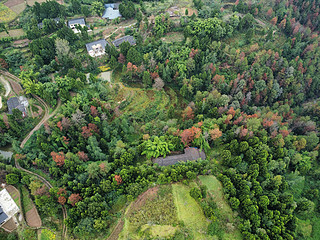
12,178
157,147
98,7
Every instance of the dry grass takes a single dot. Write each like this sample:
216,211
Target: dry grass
32,2
19,8
13,33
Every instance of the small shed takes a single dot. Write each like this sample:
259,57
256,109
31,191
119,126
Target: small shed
190,154
127,38
97,48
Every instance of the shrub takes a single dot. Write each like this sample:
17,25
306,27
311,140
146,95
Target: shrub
196,193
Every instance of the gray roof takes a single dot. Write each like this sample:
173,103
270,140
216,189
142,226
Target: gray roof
3,216
79,21
111,11
190,154
128,38
103,43
112,5
15,103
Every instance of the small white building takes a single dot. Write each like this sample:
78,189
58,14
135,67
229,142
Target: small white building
97,48
8,208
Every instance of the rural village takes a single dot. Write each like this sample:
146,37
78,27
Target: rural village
170,119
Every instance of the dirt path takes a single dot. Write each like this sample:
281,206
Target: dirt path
45,118
118,29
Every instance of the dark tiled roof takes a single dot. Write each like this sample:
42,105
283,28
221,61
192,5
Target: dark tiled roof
128,38
190,154
15,103
79,21
103,43
3,216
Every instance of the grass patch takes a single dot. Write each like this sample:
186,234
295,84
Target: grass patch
46,234
157,231
224,214
6,14
190,212
26,200
153,214
173,37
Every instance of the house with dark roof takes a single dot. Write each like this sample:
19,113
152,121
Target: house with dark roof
127,38
76,22
20,103
112,11
190,154
3,216
97,48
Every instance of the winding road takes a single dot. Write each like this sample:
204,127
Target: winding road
45,118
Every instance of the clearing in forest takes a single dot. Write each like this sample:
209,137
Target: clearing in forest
153,214
225,214
190,212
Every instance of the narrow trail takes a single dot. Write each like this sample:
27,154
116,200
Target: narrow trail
118,29
45,118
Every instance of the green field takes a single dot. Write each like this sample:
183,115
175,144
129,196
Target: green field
190,212
224,210
6,14
26,200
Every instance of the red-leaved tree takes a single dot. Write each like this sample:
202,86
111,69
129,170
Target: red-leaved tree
74,198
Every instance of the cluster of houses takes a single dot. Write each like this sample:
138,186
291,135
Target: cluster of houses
97,48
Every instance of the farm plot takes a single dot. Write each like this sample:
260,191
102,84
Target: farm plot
190,212
32,216
225,214
153,214
6,14
16,5
13,33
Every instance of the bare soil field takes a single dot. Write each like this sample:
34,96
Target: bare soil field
12,3
116,231
33,218
19,8
21,43
15,86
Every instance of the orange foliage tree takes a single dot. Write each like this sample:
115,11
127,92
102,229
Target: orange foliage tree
58,158
188,135
187,113
74,198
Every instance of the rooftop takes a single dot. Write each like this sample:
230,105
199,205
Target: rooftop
79,21
190,154
19,103
102,42
112,11
127,38
8,207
